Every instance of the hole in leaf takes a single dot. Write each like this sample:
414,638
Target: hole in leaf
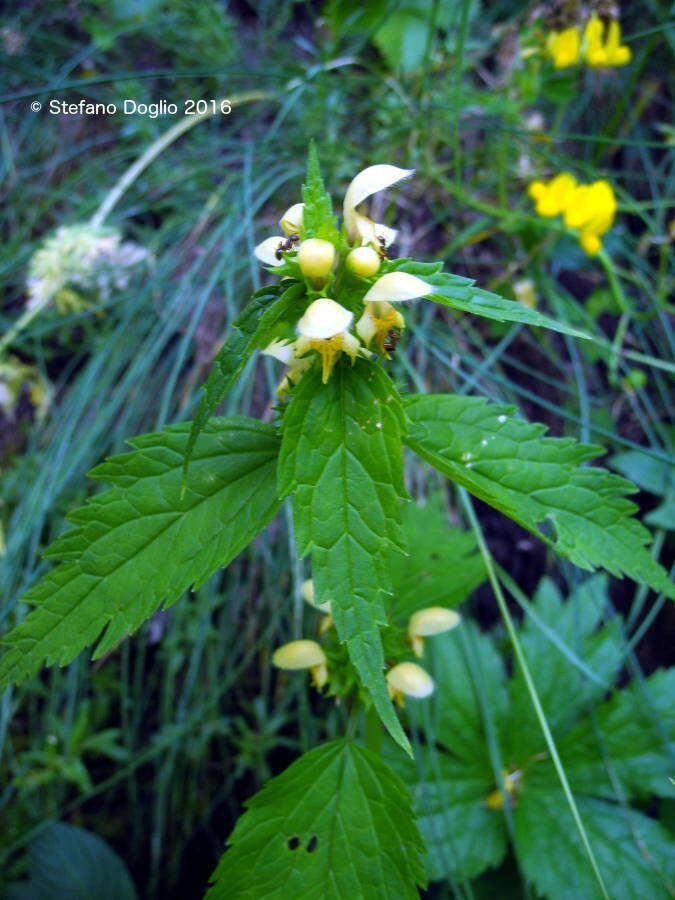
293,843
312,844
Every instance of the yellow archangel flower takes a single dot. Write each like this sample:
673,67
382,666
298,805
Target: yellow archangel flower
285,352
409,679
430,621
303,655
564,47
308,593
361,230
379,316
512,784
324,328
607,53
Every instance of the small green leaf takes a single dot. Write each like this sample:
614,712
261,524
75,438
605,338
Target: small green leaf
317,216
142,543
461,293
261,320
536,480
336,825
341,455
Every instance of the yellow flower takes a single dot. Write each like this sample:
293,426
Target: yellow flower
360,229
564,47
303,655
591,209
512,784
410,679
324,328
611,52
526,292
430,621
552,199
379,316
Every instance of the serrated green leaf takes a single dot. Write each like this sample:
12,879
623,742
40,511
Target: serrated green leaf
462,836
535,480
261,320
637,730
141,543
421,578
565,690
70,863
341,455
635,855
317,216
336,825
461,293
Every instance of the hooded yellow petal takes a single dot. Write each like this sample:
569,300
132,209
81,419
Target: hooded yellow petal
367,182
299,655
323,319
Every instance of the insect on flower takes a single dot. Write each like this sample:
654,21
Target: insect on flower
285,246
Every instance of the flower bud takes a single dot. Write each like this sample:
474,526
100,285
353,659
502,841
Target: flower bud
291,221
426,622
303,655
411,679
363,261
316,258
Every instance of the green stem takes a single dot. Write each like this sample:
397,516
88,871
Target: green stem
22,322
160,144
532,690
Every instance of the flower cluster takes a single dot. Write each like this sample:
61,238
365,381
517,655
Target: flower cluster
599,45
589,208
404,678
78,261
349,264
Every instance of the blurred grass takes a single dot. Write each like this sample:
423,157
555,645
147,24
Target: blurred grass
201,717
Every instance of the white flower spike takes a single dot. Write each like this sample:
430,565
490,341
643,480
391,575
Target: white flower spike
430,621
303,655
410,679
359,228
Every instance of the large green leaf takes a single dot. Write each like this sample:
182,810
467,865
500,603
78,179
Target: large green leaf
341,455
537,481
142,543
635,855
336,825
70,863
462,836
267,314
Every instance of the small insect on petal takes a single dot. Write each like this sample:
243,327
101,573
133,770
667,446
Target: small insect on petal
266,251
395,287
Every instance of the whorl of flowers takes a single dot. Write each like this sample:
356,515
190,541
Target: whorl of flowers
351,291
78,263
